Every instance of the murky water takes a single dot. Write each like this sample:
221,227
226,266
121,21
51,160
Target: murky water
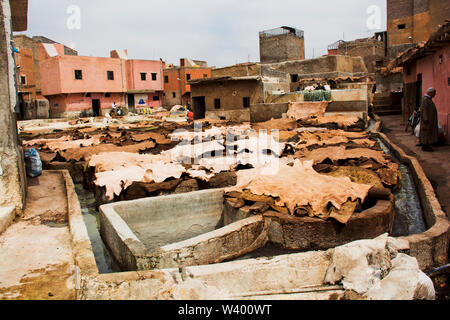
103,258
409,218
269,250
372,124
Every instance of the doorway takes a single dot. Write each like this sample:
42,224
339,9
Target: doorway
96,107
21,106
131,103
419,91
199,107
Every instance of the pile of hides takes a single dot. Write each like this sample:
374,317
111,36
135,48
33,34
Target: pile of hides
297,189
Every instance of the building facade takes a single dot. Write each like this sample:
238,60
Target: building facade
32,104
177,90
90,85
372,50
412,21
281,44
426,66
231,91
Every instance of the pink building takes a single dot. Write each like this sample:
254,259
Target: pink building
73,84
428,65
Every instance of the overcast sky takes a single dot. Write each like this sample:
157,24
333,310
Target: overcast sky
222,32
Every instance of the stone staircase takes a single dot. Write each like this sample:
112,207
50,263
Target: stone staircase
387,103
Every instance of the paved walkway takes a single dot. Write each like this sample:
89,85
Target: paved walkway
435,164
36,260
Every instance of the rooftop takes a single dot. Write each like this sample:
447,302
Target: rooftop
282,30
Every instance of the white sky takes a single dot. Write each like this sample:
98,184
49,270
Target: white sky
222,32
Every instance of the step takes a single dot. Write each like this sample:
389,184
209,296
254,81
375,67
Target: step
388,112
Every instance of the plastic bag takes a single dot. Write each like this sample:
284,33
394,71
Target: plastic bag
417,131
33,163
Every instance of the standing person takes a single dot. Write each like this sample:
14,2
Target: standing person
428,121
190,114
114,108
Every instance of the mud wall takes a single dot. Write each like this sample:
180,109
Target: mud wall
12,171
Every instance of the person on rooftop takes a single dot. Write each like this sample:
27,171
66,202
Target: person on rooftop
320,86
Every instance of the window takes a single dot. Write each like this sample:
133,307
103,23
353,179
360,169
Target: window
401,26
88,95
143,76
166,79
107,95
110,75
78,75
448,81
155,98
174,94
153,76
188,76
217,103
23,80
294,77
408,70
246,102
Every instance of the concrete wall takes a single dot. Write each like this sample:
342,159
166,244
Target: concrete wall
36,109
230,93
241,70
204,230
71,105
326,66
242,115
389,83
265,111
12,170
191,214
342,101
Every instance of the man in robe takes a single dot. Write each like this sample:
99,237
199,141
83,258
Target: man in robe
428,121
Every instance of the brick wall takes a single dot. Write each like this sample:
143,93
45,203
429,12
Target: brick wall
419,17
280,48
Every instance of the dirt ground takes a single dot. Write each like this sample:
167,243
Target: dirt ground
36,260
437,168
435,164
